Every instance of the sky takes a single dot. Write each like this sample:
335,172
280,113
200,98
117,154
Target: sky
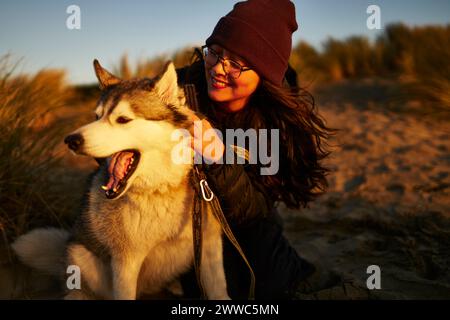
36,31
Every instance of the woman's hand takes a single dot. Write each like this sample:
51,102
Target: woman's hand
205,140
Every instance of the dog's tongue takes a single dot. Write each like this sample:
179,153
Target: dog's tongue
117,168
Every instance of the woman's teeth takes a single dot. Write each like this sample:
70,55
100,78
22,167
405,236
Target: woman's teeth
218,84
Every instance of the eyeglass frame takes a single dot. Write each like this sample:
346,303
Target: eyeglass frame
222,60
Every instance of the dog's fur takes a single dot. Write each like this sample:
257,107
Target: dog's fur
142,240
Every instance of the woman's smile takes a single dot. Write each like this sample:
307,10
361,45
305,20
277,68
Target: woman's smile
231,94
218,83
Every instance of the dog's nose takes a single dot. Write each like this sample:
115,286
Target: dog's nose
74,141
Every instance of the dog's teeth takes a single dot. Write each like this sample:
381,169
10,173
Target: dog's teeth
105,188
132,160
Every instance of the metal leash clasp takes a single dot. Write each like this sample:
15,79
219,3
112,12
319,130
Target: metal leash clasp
207,193
206,190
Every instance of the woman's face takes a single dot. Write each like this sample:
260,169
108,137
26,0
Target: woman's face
230,94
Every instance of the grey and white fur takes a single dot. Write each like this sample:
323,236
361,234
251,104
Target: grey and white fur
138,240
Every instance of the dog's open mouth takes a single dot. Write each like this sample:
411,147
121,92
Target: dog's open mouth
122,166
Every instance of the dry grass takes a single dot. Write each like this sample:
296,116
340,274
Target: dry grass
30,193
414,57
153,66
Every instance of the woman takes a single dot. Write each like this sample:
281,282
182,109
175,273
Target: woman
240,81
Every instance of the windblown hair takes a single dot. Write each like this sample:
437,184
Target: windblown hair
303,135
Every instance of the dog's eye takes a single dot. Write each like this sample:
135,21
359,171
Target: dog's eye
122,120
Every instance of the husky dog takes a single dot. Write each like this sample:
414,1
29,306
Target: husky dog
135,235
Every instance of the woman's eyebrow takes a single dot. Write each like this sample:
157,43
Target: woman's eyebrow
239,60
229,55
234,58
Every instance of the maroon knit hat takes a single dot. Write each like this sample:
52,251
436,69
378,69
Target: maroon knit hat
260,31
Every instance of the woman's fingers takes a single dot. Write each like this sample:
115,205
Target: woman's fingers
205,140
195,123
192,116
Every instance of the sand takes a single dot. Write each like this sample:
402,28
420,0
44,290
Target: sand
388,204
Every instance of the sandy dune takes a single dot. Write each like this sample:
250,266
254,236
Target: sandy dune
388,205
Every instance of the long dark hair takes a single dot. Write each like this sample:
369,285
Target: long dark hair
303,135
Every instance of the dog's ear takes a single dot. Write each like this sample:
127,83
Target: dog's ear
105,78
166,84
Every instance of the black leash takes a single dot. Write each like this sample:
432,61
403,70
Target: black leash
204,197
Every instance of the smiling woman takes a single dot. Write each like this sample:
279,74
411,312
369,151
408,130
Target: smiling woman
240,76
230,83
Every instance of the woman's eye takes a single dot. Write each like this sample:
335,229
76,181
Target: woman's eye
122,120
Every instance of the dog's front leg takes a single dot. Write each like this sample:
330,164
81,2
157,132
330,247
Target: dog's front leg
125,273
212,270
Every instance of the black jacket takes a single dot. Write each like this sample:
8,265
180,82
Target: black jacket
243,199
249,209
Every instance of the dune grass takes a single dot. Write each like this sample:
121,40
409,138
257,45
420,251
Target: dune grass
414,59
30,193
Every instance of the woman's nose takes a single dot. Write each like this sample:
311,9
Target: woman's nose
219,68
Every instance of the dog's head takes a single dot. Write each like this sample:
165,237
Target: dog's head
134,129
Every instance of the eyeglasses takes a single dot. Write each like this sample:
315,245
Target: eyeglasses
231,68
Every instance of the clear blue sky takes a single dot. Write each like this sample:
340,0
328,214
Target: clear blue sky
36,30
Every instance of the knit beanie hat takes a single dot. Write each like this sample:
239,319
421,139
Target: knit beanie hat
260,31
